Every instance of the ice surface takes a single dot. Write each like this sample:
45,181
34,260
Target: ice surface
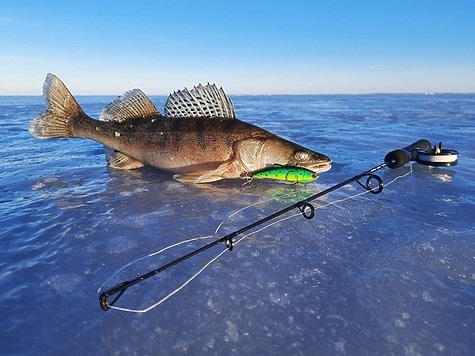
392,273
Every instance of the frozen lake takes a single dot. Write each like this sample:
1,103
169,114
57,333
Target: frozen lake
392,273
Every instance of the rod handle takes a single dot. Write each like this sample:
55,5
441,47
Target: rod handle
400,157
419,145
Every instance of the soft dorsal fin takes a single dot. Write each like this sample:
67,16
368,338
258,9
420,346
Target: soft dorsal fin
133,104
201,101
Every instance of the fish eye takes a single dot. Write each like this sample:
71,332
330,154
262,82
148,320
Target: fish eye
301,155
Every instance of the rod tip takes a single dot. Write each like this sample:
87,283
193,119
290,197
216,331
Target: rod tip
103,302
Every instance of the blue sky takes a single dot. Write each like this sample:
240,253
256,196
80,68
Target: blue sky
248,47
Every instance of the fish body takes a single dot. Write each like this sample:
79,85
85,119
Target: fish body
285,173
198,139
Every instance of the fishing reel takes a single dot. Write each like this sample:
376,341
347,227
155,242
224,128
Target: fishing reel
424,153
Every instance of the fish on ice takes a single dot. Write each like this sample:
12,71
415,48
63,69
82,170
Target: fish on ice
198,139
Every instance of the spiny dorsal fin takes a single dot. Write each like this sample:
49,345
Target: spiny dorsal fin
133,104
201,101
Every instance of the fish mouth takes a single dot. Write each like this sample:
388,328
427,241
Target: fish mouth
320,167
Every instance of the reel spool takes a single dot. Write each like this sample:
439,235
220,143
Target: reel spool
437,157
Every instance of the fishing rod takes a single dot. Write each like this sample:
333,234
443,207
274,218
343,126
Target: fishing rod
421,152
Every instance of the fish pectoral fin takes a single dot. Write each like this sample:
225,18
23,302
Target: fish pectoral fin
119,160
187,178
207,177
225,170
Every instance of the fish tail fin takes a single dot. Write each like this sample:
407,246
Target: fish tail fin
62,109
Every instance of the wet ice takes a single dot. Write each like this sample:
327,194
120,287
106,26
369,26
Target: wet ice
386,274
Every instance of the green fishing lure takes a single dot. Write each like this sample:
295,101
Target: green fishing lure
285,173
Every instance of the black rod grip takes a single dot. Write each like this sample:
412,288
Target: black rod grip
399,158
396,159
419,145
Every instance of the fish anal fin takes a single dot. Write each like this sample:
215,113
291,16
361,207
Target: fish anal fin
201,101
119,160
186,178
132,105
197,178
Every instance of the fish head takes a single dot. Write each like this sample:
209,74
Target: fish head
279,151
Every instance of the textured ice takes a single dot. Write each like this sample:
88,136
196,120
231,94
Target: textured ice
378,274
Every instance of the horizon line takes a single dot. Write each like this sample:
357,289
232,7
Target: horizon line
428,93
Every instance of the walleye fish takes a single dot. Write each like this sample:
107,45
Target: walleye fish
199,139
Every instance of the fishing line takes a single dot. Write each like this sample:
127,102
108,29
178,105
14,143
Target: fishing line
182,242
240,210
288,194
173,292
196,274
368,191
393,159
151,255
